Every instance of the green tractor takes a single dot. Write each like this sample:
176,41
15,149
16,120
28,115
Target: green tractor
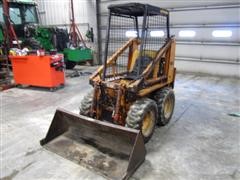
24,17
25,20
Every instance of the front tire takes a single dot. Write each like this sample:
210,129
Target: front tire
142,115
165,100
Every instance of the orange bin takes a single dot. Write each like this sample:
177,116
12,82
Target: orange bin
43,71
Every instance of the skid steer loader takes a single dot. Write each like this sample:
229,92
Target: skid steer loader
132,92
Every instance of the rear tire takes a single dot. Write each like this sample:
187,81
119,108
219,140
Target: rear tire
70,64
143,115
86,104
165,100
32,44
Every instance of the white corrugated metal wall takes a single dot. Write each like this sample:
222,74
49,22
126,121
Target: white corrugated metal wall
202,53
57,13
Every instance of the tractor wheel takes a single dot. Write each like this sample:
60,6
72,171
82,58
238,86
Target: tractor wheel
86,104
165,100
143,115
32,44
70,64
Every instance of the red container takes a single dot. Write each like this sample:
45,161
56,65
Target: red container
43,71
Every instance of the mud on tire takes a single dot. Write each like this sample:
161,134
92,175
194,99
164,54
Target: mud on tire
143,115
86,104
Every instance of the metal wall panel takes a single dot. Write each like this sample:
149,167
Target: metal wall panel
207,16
227,53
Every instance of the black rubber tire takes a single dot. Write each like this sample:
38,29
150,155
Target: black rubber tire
70,64
86,104
160,97
137,113
32,44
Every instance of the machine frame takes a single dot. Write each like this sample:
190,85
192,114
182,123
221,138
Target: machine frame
124,90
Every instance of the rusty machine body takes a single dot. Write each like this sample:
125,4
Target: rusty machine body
133,92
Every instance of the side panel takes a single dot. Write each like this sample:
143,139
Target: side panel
171,56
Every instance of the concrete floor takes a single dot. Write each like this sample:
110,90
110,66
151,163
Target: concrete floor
201,142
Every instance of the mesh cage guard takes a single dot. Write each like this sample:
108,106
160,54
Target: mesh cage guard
130,17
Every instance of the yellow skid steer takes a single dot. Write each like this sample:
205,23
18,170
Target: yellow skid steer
132,93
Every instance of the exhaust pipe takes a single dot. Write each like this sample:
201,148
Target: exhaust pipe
110,150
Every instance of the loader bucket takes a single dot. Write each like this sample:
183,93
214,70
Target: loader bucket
110,150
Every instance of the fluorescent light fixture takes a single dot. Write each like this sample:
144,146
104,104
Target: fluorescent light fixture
156,33
187,33
222,33
131,33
